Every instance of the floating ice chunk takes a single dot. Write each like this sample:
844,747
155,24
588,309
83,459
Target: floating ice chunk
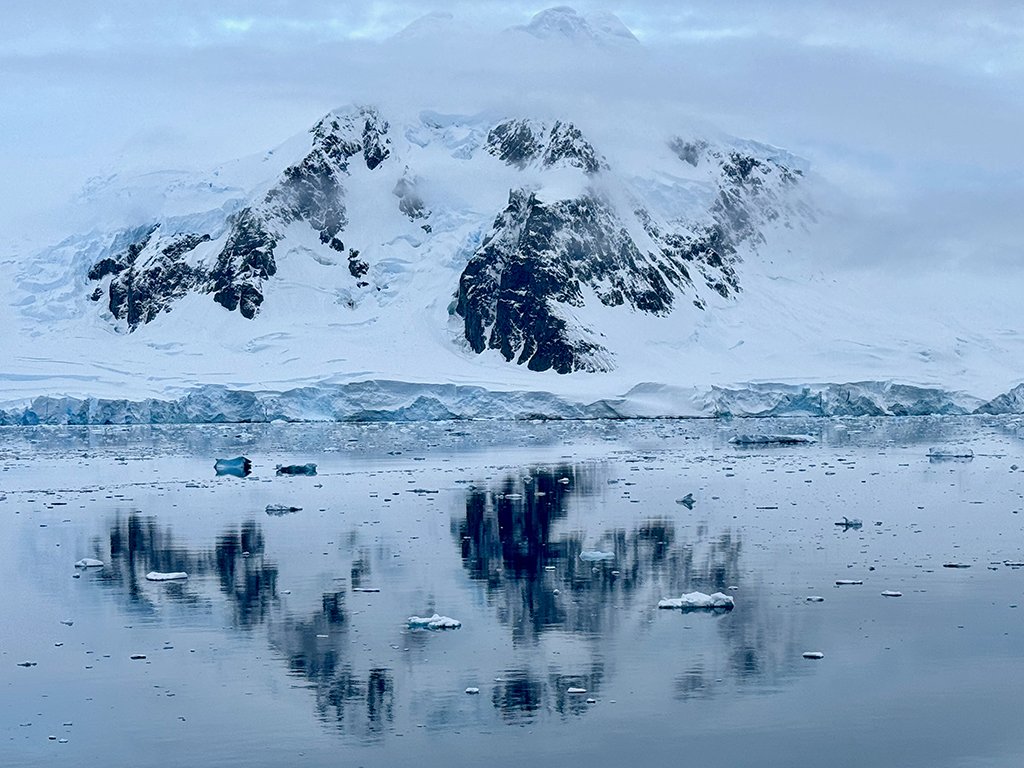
237,467
950,453
814,655
281,509
595,555
89,562
434,622
848,582
771,439
698,601
815,599
296,469
172,576
891,593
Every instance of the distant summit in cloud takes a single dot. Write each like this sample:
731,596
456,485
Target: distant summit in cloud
427,26
566,24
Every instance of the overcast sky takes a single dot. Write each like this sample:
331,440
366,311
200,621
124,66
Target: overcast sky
914,108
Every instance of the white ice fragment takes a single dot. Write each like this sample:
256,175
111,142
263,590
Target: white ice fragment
434,622
693,601
891,593
595,555
814,655
848,582
172,576
89,562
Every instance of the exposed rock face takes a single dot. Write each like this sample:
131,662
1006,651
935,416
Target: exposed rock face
596,237
540,260
521,143
146,281
536,263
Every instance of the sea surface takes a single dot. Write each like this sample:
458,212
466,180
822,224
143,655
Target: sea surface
289,643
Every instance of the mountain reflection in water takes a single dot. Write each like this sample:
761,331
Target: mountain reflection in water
519,538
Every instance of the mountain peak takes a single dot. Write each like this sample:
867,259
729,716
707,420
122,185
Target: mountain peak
565,23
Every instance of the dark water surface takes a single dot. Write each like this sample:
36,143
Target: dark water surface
271,655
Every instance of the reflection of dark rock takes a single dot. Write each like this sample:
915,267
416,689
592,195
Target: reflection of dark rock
139,545
520,694
244,576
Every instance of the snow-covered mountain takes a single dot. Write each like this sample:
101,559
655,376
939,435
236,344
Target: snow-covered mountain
552,261
532,238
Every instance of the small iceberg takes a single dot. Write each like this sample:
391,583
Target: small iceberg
237,467
171,576
281,509
595,555
434,622
89,562
296,469
772,440
698,601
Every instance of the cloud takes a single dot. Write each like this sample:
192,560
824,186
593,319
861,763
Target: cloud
910,110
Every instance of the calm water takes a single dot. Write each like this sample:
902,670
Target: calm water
271,655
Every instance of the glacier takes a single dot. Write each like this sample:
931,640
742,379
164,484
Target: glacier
397,401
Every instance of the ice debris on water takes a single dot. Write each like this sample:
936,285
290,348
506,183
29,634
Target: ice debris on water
281,509
698,601
237,467
171,576
814,655
595,555
296,469
434,622
771,439
89,562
